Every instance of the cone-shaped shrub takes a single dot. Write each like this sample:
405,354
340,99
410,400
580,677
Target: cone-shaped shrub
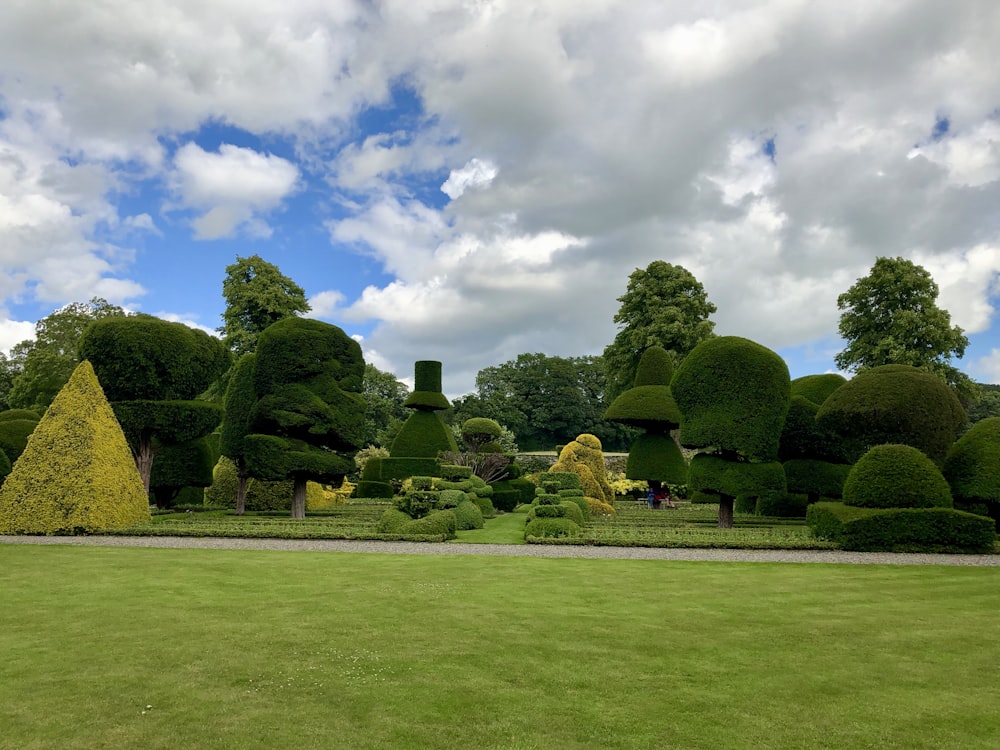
896,476
77,472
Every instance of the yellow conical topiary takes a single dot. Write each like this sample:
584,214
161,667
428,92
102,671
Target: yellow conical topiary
76,473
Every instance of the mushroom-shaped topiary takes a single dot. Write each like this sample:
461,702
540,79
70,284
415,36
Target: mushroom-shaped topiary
896,476
733,395
481,434
972,467
650,406
812,456
894,404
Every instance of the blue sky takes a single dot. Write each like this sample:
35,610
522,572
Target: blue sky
469,181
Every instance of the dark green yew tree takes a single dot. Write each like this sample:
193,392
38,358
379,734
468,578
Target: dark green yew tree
309,410
240,402
733,396
151,371
177,467
972,467
893,404
650,406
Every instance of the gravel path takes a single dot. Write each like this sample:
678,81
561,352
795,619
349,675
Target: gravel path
512,550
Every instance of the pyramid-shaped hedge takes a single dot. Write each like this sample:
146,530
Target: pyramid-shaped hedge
76,473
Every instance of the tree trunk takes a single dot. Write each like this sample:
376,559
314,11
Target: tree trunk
299,498
241,494
726,511
143,455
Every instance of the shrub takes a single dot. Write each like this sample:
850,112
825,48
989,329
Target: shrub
547,511
655,456
547,528
366,454
455,473
468,516
404,467
972,467
423,435
733,395
573,511
451,498
820,478
896,476
894,404
703,498
586,451
902,529
417,503
710,473
803,438
77,472
438,522
12,414
817,388
782,505
14,434
599,507
485,506
591,487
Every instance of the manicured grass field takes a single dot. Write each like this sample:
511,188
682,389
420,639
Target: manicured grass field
150,648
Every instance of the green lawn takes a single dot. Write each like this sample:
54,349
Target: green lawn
149,648
506,528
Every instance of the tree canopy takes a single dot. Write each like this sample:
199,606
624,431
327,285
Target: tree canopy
891,317
40,367
257,294
546,401
384,410
663,305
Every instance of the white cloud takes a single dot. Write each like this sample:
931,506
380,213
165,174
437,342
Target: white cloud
325,304
188,319
476,173
14,332
234,185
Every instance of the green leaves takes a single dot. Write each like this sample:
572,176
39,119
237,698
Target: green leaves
257,295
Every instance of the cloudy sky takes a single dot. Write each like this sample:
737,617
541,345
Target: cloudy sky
466,180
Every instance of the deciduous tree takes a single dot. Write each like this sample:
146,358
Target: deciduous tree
257,294
663,305
891,317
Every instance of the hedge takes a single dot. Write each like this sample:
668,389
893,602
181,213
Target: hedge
820,477
972,467
468,516
710,473
902,529
551,527
817,388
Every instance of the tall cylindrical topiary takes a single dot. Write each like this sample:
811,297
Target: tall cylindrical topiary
733,396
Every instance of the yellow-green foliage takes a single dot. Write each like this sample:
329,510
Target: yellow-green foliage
588,483
600,508
326,498
77,473
586,450
623,485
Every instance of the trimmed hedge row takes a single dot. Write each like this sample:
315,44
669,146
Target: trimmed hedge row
902,529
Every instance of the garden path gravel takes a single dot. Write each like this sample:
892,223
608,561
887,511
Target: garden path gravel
517,550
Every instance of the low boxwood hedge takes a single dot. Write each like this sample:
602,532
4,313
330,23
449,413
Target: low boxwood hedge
902,529
551,528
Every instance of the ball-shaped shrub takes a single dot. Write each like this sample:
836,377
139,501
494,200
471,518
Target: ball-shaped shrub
733,395
896,476
817,388
972,467
894,404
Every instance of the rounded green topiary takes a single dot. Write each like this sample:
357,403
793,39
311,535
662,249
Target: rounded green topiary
733,395
803,438
894,404
551,527
896,476
656,457
655,367
817,388
77,472
972,467
649,404
468,516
